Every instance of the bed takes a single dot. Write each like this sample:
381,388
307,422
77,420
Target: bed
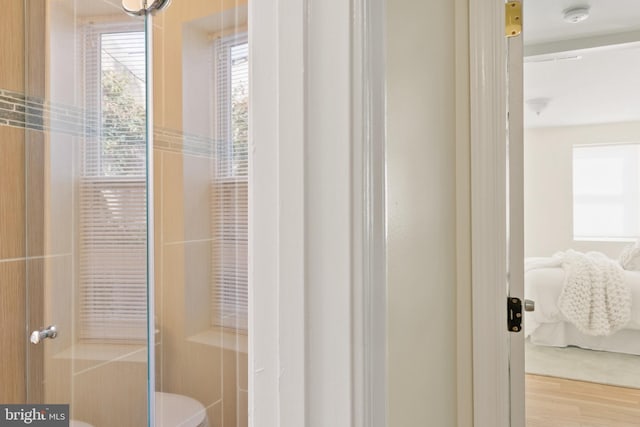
548,326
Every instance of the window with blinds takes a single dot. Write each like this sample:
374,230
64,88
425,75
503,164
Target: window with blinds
112,189
606,192
230,183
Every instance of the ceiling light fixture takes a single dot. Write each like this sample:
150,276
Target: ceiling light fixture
537,105
573,15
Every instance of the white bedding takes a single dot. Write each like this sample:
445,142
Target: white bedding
544,285
564,334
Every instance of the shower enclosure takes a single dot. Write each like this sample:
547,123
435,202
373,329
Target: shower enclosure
136,174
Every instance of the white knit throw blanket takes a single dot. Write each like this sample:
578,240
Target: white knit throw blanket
595,297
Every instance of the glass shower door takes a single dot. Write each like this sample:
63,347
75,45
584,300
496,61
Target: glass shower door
107,131
85,141
201,178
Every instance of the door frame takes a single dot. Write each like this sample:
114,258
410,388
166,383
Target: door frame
316,214
491,340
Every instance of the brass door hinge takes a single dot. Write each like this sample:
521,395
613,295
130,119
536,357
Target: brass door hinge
513,18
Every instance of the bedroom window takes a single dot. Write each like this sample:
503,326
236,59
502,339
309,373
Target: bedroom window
606,192
112,185
230,184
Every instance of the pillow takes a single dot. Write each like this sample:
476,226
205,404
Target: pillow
630,257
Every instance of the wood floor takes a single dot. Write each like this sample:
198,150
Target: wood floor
558,402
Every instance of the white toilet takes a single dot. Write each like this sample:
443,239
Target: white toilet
172,410
176,410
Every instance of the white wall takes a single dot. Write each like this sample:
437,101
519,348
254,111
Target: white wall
422,62
548,185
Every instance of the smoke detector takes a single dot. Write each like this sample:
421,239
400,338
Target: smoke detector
573,15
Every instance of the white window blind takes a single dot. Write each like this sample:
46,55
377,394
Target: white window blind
230,184
112,193
606,191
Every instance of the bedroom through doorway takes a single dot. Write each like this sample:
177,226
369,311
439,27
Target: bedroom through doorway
582,212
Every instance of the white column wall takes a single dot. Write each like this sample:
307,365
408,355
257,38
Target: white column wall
302,356
421,153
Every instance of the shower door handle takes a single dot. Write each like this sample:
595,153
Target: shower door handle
143,7
49,332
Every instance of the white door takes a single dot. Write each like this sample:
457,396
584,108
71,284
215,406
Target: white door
497,181
497,213
515,216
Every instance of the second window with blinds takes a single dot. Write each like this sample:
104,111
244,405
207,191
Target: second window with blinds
229,193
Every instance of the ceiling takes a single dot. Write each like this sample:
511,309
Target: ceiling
588,72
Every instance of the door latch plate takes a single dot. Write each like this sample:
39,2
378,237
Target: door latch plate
514,314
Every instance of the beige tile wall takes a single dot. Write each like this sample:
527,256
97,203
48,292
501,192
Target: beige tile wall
12,315
21,186
12,45
207,373
12,213
12,204
102,393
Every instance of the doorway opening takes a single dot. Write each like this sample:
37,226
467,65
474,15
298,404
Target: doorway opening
581,220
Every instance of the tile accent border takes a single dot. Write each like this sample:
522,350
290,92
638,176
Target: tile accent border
179,142
33,113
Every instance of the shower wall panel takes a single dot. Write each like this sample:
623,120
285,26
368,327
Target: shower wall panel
194,357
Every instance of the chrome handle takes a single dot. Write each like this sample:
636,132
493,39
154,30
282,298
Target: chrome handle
529,305
158,5
49,332
143,7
